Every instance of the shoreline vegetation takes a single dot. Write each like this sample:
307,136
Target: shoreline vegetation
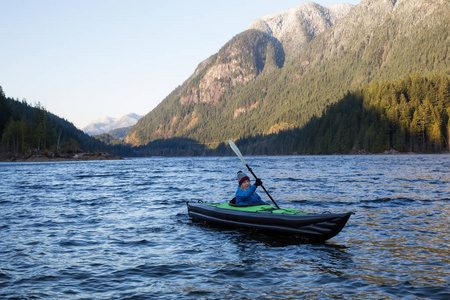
97,155
411,115
50,156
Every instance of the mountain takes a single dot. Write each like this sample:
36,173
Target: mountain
98,126
119,133
288,67
106,124
240,61
297,26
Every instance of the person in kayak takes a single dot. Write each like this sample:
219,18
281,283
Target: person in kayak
245,194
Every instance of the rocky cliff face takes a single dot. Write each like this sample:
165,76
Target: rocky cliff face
268,42
238,62
297,26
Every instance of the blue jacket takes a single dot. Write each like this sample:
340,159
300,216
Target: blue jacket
248,197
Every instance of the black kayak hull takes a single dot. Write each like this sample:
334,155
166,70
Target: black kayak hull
313,226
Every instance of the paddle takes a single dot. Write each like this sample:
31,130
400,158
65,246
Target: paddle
238,153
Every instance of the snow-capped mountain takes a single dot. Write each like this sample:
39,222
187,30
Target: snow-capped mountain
105,124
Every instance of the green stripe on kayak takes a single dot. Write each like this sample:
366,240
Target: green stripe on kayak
259,208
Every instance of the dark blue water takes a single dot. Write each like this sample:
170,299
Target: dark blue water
120,230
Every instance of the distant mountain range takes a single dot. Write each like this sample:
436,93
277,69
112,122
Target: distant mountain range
288,67
107,124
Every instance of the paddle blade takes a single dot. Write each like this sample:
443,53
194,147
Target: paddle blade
236,150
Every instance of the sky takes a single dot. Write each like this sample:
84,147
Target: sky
86,59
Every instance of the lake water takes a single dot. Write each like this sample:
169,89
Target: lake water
120,229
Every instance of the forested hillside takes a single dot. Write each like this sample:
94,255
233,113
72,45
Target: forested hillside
26,130
404,116
375,41
409,115
205,106
202,98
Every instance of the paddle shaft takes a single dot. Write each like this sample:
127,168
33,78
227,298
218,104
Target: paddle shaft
251,171
239,154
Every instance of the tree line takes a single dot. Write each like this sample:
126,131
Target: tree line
26,130
409,115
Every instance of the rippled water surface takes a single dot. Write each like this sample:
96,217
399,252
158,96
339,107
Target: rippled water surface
120,229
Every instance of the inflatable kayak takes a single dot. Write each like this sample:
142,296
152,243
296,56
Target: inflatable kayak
269,218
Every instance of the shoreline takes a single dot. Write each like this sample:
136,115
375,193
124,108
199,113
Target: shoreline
68,157
92,156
